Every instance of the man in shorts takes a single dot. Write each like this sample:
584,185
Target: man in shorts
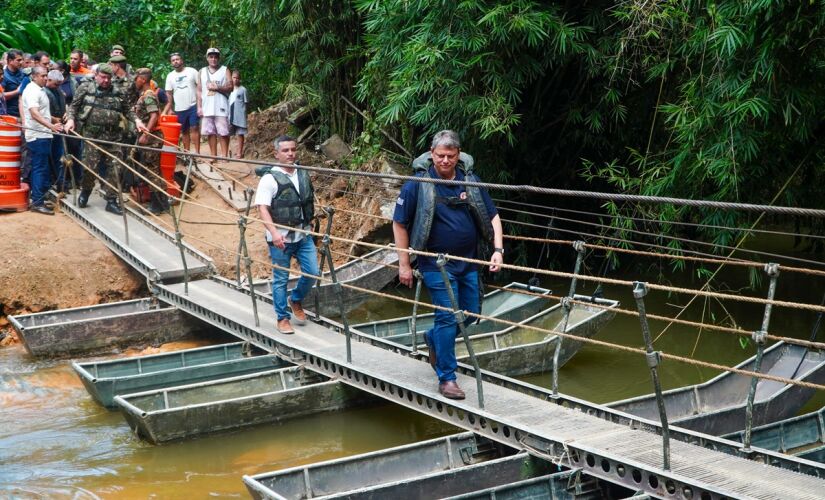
216,84
184,91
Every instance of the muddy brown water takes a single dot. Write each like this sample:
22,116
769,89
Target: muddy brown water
55,442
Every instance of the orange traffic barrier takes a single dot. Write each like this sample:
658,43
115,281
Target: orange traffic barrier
15,199
168,158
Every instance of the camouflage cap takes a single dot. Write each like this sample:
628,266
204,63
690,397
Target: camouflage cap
118,47
105,68
117,59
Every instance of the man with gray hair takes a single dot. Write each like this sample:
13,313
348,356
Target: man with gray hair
285,197
57,108
451,219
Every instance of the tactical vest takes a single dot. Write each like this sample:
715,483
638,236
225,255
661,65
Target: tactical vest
106,107
427,199
289,207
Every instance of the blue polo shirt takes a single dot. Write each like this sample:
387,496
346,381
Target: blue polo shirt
453,231
11,81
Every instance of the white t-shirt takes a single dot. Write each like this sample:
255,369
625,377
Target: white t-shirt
213,102
34,96
183,85
267,189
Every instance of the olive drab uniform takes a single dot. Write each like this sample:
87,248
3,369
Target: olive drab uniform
147,104
100,114
125,86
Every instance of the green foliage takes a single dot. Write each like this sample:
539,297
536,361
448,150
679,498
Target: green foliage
31,37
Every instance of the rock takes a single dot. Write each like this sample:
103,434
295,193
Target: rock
335,148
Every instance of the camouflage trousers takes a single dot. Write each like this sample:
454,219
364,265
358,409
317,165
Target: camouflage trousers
104,165
145,159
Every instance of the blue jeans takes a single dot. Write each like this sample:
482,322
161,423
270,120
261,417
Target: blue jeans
304,251
445,328
41,172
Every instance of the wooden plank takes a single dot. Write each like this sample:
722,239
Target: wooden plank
231,192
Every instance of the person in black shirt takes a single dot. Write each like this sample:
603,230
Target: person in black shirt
57,108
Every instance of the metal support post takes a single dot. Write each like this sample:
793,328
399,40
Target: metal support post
120,202
441,261
567,305
759,337
247,259
337,286
413,327
240,240
329,211
653,360
179,242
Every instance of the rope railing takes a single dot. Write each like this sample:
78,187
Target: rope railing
660,222
719,205
601,343
558,274
522,268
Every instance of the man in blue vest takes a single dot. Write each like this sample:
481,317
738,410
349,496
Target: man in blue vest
455,220
285,197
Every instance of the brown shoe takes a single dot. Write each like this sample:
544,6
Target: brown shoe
284,327
450,390
298,313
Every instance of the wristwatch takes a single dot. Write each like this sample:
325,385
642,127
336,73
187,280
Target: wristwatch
499,250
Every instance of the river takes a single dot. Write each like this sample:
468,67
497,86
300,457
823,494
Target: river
56,442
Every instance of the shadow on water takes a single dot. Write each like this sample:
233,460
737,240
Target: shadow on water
55,442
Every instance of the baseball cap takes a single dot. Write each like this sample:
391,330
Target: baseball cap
105,68
212,50
117,59
118,47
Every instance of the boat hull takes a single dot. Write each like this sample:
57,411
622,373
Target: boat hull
718,406
106,379
272,396
86,330
459,466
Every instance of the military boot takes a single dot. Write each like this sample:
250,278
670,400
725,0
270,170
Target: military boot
159,203
113,207
83,199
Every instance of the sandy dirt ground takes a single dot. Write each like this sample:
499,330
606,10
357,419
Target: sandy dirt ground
50,262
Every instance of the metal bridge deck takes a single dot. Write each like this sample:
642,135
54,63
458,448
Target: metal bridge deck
151,250
622,454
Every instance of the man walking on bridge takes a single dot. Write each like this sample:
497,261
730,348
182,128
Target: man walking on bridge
449,219
285,196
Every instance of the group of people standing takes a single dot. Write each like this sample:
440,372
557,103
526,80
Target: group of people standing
113,102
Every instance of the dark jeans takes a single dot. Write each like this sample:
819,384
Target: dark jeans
445,329
41,173
75,147
306,254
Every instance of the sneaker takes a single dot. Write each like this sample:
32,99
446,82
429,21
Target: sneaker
284,327
298,313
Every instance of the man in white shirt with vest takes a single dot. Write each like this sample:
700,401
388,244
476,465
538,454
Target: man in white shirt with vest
285,197
216,85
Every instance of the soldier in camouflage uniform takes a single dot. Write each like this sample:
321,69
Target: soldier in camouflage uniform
147,110
124,82
98,112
